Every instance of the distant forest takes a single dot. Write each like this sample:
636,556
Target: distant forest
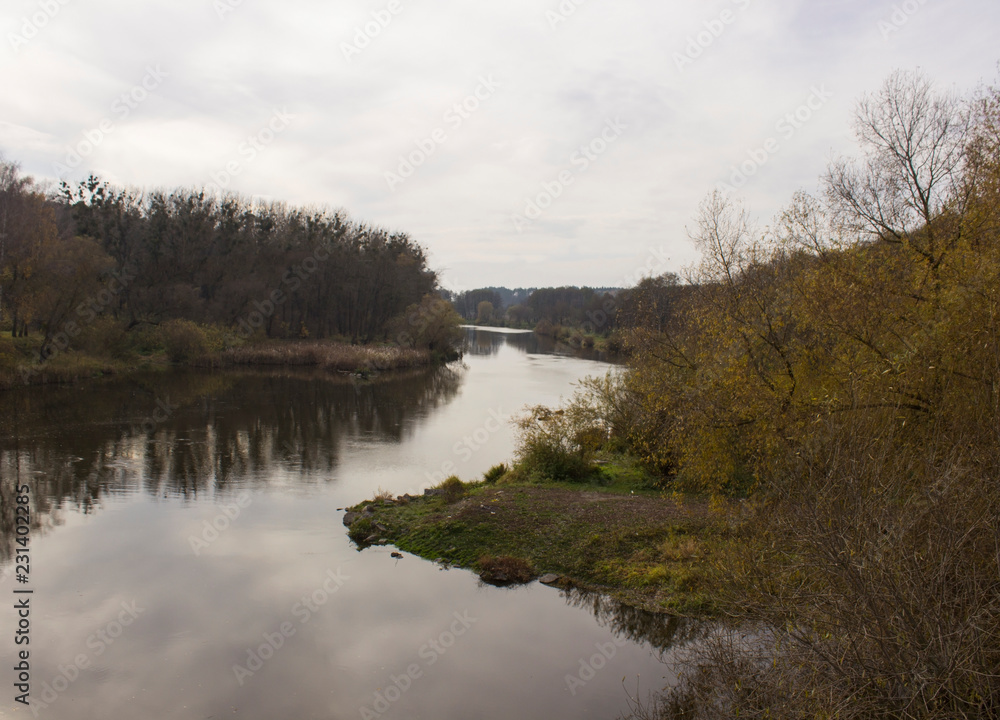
599,311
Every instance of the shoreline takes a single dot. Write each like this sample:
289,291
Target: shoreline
639,547
326,356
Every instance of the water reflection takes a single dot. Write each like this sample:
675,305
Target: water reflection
160,456
490,341
483,342
187,433
662,632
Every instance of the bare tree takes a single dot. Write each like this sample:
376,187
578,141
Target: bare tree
910,175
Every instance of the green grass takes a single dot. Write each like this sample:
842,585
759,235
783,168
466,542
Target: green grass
630,542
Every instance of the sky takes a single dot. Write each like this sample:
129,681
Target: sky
523,143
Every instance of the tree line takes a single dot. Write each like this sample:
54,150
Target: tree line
591,309
95,251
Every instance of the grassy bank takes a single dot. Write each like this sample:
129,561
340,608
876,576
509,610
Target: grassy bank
642,547
192,347
330,356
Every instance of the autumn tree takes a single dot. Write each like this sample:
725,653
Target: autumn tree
484,312
839,370
27,227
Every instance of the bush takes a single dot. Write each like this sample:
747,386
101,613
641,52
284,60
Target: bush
864,587
454,489
549,445
146,339
432,325
554,463
495,473
615,343
104,337
183,340
546,328
219,338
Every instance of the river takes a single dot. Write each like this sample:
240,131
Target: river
188,559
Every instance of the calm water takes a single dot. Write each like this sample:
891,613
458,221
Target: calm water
188,558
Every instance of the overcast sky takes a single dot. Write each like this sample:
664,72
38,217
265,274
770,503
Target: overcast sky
523,142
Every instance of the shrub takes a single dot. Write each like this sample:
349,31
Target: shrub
219,338
146,339
869,580
546,328
495,473
431,325
548,445
454,489
183,340
104,337
554,462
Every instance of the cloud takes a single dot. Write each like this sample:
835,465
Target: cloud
564,68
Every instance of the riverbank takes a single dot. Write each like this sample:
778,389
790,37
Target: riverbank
641,547
330,356
19,364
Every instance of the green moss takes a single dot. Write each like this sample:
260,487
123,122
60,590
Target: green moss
361,529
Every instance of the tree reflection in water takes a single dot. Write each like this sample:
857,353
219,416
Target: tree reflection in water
661,631
183,434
